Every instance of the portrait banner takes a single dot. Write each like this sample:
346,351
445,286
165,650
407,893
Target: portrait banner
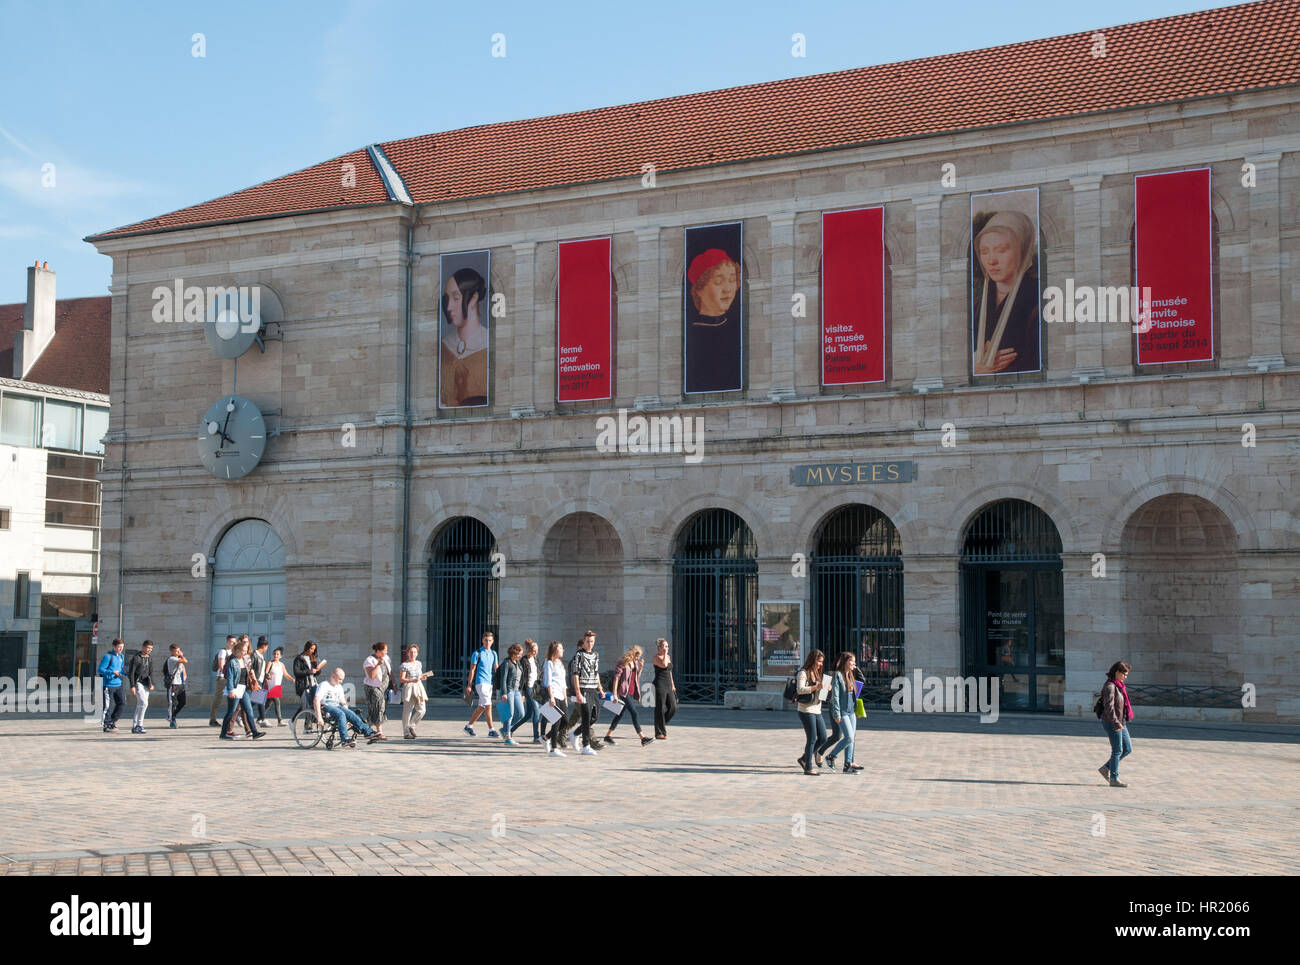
1172,258
584,322
780,653
853,296
464,369
713,310
1006,336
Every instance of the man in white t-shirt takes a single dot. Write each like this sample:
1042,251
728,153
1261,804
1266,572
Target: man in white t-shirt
332,699
219,688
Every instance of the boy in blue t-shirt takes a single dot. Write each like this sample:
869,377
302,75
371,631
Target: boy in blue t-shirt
481,667
110,672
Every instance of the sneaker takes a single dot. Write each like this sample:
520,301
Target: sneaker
573,742
537,740
469,730
226,737
830,762
282,722
1104,771
609,740
414,734
510,742
493,733
214,723
555,752
348,744
259,735
850,769
409,735
136,730
588,751
371,739
1115,783
173,725
647,740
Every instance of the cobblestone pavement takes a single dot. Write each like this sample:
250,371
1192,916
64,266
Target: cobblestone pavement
722,795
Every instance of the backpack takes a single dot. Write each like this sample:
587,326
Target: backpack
216,661
496,675
1099,705
791,691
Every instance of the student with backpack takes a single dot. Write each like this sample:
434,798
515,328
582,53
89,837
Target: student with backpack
139,673
807,693
174,675
1113,707
110,673
219,686
482,672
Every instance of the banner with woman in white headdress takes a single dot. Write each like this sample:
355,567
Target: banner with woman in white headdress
1005,296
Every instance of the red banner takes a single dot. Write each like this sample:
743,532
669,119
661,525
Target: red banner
853,296
584,322
1172,258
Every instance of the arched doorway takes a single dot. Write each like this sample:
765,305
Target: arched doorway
715,592
583,586
857,594
248,587
1013,604
1182,604
464,601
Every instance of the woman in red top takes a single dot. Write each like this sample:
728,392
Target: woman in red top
627,688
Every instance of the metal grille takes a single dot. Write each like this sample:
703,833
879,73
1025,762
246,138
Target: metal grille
1182,695
1011,604
1011,530
857,596
463,601
715,591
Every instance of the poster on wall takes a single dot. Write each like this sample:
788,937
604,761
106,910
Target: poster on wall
780,654
1005,296
463,352
714,336
853,296
584,319
1172,257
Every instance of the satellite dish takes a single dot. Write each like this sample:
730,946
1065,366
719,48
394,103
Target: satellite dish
237,319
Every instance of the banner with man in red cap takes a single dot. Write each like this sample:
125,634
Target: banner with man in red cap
713,310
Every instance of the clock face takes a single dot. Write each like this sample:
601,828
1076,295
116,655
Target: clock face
232,437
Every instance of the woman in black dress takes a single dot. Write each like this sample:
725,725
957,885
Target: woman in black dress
665,690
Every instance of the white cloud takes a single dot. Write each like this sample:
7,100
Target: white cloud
73,184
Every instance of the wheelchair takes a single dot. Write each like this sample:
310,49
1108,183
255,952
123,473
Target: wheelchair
307,733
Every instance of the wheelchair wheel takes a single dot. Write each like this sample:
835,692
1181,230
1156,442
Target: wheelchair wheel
306,732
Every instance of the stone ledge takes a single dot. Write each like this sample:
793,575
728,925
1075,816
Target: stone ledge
753,700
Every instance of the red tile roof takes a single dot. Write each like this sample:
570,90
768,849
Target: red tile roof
77,356
1212,52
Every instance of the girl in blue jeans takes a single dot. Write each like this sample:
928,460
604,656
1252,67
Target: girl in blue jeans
844,711
511,674
1116,712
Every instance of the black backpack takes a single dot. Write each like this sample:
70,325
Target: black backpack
1099,705
791,691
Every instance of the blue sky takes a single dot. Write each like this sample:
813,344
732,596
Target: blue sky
136,126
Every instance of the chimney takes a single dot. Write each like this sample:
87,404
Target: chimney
38,320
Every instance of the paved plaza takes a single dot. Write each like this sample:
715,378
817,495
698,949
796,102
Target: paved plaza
940,795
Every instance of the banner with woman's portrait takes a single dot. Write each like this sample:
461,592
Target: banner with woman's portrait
780,654
712,309
1005,319
464,371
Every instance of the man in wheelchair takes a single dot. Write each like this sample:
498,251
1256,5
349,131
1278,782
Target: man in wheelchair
330,698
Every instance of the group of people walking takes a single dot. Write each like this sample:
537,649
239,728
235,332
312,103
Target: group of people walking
120,674
564,700
561,700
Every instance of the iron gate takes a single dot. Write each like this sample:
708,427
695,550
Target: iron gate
464,602
1012,602
715,593
857,596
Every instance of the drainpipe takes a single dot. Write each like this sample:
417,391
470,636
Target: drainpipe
406,432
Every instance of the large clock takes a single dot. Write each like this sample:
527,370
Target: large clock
232,437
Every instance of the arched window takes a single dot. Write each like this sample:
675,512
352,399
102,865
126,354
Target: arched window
1013,612
857,594
715,592
464,600
248,586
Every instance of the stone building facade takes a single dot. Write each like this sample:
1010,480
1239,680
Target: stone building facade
509,516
